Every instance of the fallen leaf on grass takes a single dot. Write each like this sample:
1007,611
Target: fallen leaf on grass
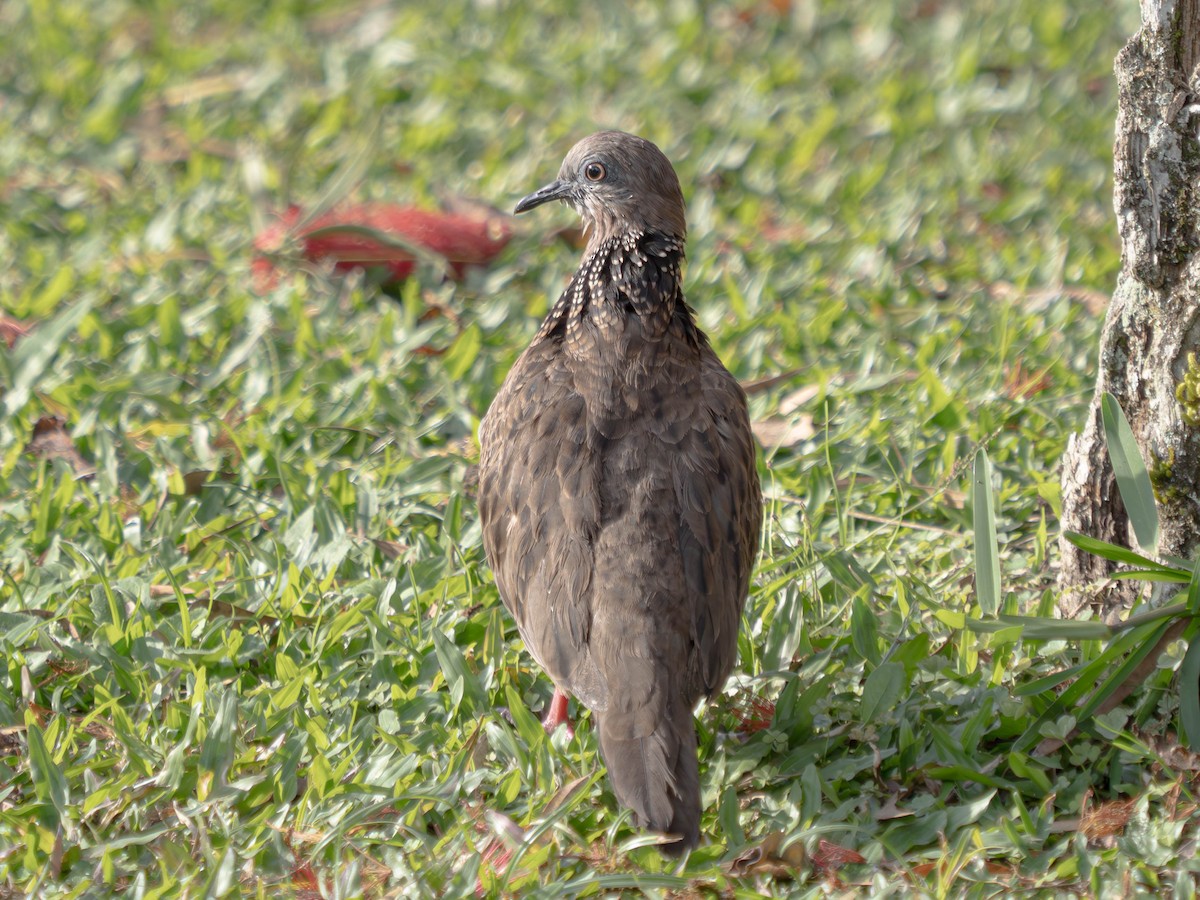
380,235
755,715
389,549
1108,819
51,441
798,398
791,426
778,433
565,793
771,858
830,857
194,481
892,810
750,14
305,881
759,385
1037,300
1001,870
1169,750
1022,385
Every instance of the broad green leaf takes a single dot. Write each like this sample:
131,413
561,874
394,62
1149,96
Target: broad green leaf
882,689
864,631
1189,694
463,352
987,554
528,726
1024,767
49,783
783,637
28,362
224,877
1047,682
141,837
1133,481
216,753
454,668
300,538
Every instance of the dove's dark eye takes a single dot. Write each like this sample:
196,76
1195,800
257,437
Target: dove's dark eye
594,171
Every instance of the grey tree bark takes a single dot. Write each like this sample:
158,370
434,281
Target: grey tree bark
1151,338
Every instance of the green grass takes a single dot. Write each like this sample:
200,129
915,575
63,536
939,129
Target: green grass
293,674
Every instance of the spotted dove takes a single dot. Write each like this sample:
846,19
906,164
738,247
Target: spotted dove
618,488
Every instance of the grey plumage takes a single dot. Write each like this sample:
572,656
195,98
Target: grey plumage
619,493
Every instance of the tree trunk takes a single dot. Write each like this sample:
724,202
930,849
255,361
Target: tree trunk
1153,323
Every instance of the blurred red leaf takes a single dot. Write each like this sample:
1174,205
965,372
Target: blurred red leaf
756,715
11,331
380,235
1022,385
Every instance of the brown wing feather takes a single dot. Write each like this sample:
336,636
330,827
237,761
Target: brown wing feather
539,506
720,505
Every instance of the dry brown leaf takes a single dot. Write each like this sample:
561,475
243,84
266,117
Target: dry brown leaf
51,441
759,385
293,836
892,810
798,398
1039,299
158,591
238,615
194,481
954,499
208,86
771,858
389,549
384,237
1173,754
1108,819
565,793
1022,385
777,433
831,857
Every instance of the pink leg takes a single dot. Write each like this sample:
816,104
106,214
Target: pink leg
557,714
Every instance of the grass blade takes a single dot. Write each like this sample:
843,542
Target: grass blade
1193,591
987,555
1189,694
1133,480
1115,553
48,780
1090,677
